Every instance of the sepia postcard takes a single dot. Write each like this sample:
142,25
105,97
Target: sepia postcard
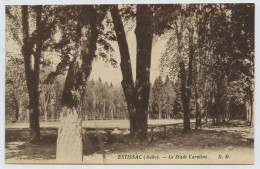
130,83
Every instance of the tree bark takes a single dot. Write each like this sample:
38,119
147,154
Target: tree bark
185,97
45,100
17,106
125,65
186,80
136,96
218,104
32,67
198,110
144,37
252,109
69,141
186,86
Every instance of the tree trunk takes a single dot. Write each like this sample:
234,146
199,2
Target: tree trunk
160,112
45,115
16,113
185,97
185,100
69,141
34,116
252,109
45,101
32,67
136,96
198,110
17,107
126,67
219,98
144,37
186,86
247,110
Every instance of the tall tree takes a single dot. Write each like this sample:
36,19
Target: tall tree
16,94
144,36
156,95
243,26
32,66
137,95
69,141
168,97
32,25
126,67
150,19
184,31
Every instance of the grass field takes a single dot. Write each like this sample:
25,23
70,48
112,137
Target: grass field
102,147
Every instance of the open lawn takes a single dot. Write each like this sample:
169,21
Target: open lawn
105,147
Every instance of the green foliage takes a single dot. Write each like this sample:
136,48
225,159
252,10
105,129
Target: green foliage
223,62
162,97
224,50
103,101
16,98
69,28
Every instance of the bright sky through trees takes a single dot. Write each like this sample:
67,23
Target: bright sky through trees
110,74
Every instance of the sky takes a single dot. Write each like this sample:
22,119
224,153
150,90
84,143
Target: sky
111,74
105,71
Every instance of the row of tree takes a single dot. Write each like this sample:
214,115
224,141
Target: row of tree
210,53
103,101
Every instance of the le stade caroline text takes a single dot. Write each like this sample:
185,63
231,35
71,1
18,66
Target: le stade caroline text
157,157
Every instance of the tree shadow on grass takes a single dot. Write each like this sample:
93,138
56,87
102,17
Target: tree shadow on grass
18,147
100,142
203,139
